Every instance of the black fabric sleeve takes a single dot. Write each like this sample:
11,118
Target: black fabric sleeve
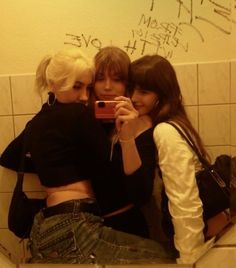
139,185
10,158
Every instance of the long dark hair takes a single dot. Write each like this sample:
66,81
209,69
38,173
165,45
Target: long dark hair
155,73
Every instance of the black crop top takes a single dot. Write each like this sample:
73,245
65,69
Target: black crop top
65,141
67,145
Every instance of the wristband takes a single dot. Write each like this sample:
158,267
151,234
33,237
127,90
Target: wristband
126,141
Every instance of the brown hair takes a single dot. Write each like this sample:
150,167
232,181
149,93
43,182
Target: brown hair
112,59
155,73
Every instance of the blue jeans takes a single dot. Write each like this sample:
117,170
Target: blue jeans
81,237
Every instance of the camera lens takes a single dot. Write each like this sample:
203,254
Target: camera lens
101,104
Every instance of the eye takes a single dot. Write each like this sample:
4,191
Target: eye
99,77
77,86
116,77
143,92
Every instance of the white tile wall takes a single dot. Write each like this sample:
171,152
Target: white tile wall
7,180
208,90
26,99
233,150
20,122
5,262
6,130
233,124
4,206
192,112
218,258
233,81
32,183
12,244
214,151
5,96
214,124
187,77
229,237
214,83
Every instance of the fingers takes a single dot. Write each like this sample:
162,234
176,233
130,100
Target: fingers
124,106
119,124
125,115
122,98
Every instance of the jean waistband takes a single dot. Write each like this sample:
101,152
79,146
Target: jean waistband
73,206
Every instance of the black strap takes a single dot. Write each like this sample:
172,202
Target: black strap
190,142
203,161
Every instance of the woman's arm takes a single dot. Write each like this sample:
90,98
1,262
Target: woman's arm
126,125
177,164
138,151
10,158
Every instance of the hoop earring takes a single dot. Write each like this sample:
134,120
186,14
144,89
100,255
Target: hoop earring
156,104
51,98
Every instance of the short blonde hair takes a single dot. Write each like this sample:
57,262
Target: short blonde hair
63,69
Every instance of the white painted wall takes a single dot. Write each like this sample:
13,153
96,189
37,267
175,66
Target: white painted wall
190,31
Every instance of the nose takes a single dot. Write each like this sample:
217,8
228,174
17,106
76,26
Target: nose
83,96
107,84
134,97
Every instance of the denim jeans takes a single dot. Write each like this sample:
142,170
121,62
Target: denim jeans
81,237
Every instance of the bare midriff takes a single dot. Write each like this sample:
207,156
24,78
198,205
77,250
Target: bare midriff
73,191
77,190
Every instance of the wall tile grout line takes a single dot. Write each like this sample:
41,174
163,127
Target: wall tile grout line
225,246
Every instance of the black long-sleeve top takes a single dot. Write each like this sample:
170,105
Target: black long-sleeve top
67,144
137,187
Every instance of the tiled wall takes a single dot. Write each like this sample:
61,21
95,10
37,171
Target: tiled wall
209,92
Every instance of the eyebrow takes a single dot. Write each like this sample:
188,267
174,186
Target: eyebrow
78,82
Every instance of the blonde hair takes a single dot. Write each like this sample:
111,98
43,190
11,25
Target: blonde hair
62,70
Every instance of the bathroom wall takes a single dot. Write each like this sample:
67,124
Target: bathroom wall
209,96
198,37
183,31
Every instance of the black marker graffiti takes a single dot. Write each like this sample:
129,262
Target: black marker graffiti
152,5
154,36
83,41
220,17
189,10
167,37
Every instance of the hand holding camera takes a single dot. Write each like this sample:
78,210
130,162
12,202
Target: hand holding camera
126,119
106,109
122,111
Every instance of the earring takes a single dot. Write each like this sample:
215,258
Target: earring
51,98
156,104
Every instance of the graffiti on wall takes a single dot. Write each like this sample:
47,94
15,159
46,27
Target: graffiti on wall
151,35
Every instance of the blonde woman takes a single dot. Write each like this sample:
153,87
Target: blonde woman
70,153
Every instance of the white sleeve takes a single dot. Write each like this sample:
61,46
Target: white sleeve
178,165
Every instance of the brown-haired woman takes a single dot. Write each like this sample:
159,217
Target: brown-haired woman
156,92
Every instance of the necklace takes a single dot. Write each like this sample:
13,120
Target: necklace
114,140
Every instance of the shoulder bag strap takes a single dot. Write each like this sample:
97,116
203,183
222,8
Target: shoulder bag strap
203,161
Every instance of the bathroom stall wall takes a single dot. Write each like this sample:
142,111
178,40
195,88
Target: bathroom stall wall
198,37
184,31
